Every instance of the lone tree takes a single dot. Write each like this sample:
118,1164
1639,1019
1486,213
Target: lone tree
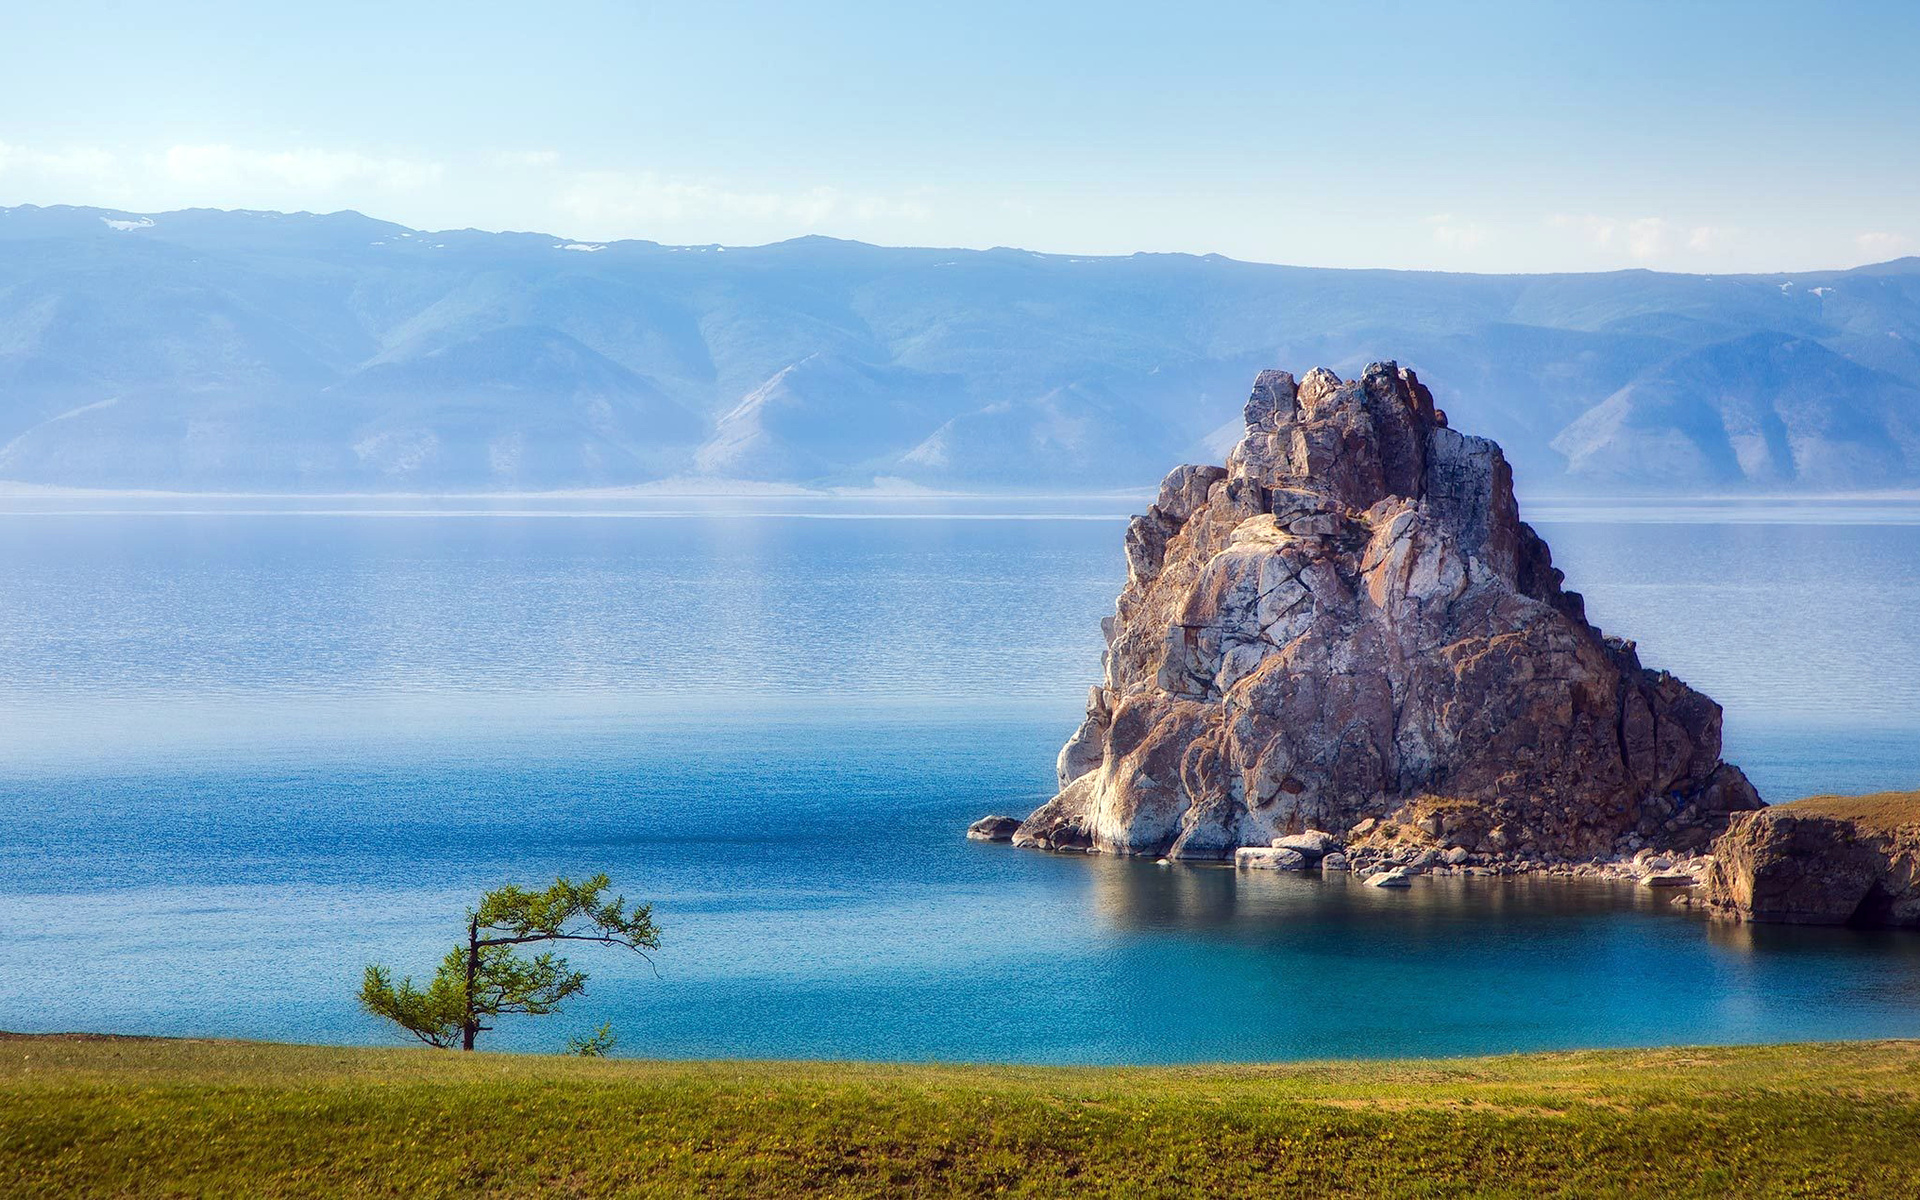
489,976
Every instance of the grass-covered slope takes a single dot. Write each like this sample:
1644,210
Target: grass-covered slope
1824,860
137,1117
1878,812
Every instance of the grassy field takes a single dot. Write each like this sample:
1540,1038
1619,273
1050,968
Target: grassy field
156,1117
1882,812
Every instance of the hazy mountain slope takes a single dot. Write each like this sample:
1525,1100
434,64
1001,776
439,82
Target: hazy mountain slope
518,406
1765,409
263,350
1095,433
823,415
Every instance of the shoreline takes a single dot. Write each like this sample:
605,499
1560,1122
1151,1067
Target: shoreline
11,1039
1678,871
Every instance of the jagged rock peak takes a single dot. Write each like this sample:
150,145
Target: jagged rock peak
1348,621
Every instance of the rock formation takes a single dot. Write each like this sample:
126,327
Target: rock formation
993,829
1829,860
1349,628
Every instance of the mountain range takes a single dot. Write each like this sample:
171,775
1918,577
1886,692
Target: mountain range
255,351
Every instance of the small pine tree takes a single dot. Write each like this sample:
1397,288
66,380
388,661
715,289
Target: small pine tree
488,976
597,1044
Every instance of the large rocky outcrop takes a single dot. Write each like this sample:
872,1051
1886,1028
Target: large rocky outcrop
1829,860
1349,621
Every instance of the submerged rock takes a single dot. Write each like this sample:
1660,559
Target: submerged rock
1828,860
1349,627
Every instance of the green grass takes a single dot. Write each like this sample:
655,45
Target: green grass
157,1117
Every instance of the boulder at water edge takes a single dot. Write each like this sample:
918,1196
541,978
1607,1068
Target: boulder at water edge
1827,860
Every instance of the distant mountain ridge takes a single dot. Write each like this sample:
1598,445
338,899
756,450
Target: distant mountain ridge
209,350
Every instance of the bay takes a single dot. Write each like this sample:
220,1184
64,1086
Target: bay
246,748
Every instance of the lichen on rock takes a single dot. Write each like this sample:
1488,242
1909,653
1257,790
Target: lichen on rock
1349,619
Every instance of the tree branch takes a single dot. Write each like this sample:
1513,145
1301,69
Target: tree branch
603,939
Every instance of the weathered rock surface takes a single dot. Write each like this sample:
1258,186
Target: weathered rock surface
1314,843
1668,879
1348,627
994,829
1829,860
1270,858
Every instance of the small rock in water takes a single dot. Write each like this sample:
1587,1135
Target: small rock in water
1335,862
1314,843
1398,877
993,829
1667,879
1268,858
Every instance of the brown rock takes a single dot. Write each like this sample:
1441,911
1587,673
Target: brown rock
1350,620
1828,860
993,829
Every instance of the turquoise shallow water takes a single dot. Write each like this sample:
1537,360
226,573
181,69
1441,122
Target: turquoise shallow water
242,754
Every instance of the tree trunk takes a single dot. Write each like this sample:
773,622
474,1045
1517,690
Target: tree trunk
472,1023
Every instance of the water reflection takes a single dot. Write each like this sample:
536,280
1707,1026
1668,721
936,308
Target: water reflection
1139,895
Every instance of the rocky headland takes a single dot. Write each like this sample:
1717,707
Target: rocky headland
1826,860
1344,650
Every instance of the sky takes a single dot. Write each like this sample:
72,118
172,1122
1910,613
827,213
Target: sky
1705,137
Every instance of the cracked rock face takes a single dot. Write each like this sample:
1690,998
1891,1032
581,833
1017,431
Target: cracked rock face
1829,860
1348,617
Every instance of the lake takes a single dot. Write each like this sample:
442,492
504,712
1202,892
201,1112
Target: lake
248,747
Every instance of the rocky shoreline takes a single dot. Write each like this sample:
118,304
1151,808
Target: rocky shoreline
1369,851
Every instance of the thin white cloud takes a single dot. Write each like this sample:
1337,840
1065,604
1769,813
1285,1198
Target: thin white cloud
1882,245
1455,234
1649,238
68,162
1597,230
1705,239
223,166
622,200
1642,239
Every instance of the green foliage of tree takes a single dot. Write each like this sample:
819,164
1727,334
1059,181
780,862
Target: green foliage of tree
489,976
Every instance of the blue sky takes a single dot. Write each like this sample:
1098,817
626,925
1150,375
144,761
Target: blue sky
1492,137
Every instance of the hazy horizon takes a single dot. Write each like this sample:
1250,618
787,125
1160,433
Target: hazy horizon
1518,137
214,350
1039,251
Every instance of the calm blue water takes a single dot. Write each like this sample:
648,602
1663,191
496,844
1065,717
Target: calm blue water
244,753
